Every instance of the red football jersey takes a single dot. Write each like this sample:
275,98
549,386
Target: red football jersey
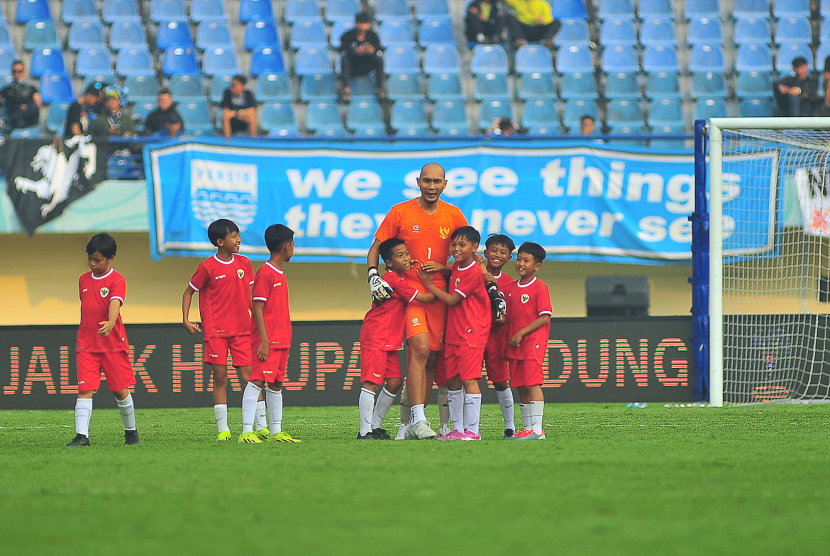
224,295
525,304
497,341
271,288
469,321
383,325
95,293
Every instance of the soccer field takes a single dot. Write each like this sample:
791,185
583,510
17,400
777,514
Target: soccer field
608,480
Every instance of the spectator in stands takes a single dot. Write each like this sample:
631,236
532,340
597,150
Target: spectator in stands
238,109
797,94
587,125
21,100
532,21
485,22
361,54
165,120
77,116
114,121
503,127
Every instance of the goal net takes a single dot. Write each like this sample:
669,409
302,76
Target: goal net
770,260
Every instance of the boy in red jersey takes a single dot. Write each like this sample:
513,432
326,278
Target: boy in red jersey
270,337
102,341
468,326
381,336
528,322
224,285
498,251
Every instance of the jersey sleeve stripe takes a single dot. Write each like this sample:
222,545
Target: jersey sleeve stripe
119,298
461,293
548,313
260,299
192,286
414,295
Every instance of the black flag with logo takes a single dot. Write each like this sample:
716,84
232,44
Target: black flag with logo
44,176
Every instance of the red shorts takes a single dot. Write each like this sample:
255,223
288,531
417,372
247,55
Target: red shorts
115,365
441,369
496,364
526,372
378,365
217,348
273,368
427,318
464,361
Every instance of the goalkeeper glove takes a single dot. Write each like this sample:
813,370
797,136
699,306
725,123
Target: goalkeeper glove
381,291
497,302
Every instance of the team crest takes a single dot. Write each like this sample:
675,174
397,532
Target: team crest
415,229
105,291
444,232
457,281
241,273
415,321
525,298
223,190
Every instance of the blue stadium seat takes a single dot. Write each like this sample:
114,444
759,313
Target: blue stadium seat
337,29
396,32
704,31
320,87
26,133
573,31
658,32
753,84
622,86
404,87
127,33
221,61
491,110
660,58
255,10
659,142
533,58
142,88
449,116
702,8
575,109
710,108
491,86
752,31
620,59
323,115
103,79
180,60
540,115
824,31
213,34
309,61
119,10
217,87
534,86
173,33
573,59
208,10
56,87
275,87
140,112
308,33
7,56
40,34
617,32
56,117
824,7
756,108
391,9
793,30
277,117
196,117
789,52
260,34
615,9
134,61
5,36
444,86
707,57
432,9
86,34
710,84
569,9
744,9
753,57
439,58
33,10
624,113
792,8
822,53
332,133
625,131
78,10
363,88
488,59
665,112
655,9
163,11
266,60
435,31
579,86
46,60
663,84
301,10
341,10
187,88
409,118
363,115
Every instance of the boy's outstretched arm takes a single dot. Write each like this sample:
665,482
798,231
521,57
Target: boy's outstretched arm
187,299
449,299
516,338
107,325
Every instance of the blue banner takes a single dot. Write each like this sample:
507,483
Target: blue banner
581,201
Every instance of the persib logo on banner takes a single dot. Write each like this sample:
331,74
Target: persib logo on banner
223,190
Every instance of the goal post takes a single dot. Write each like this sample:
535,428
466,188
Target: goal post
769,261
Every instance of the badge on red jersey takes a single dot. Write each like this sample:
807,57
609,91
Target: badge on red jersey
105,291
525,298
457,281
240,272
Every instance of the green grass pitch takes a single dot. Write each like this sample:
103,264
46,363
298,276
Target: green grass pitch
608,480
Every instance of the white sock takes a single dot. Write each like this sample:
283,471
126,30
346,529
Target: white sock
472,411
417,414
83,413
537,410
259,417
249,403
455,405
274,401
384,402
406,408
507,411
366,404
443,406
127,410
221,413
525,409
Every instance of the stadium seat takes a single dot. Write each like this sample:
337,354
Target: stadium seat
492,110
266,60
409,118
217,87
824,32
363,115
134,61
301,10
404,59
208,11
449,115
323,115
573,59
432,9
128,33
793,30
221,61
704,31
575,109
655,9
621,131
275,87
753,57
276,116
533,58
363,88
615,9
573,32
32,10
534,86
404,87
792,8
337,29
46,60
255,10
38,35
144,88
665,112
624,113
173,33
620,59
658,32
180,60
56,87
702,8
659,142
752,31
753,84
5,36
663,84
332,133
164,11
488,59
617,32
540,114
710,84
660,58
822,53
56,116
756,108
308,33
391,9
491,86
789,52
621,86
119,10
7,56
26,133
569,9
86,34
213,34
745,9
710,108
309,61
140,112
444,86
341,10
261,34
439,58
103,79
78,10
196,117
707,58
435,31
396,32
579,86
320,87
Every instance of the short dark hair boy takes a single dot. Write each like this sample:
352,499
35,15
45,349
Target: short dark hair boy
277,235
467,232
219,229
534,250
386,247
102,243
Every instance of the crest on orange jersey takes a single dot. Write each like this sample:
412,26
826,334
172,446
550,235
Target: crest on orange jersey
444,232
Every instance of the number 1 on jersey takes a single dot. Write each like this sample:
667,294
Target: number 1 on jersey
429,253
